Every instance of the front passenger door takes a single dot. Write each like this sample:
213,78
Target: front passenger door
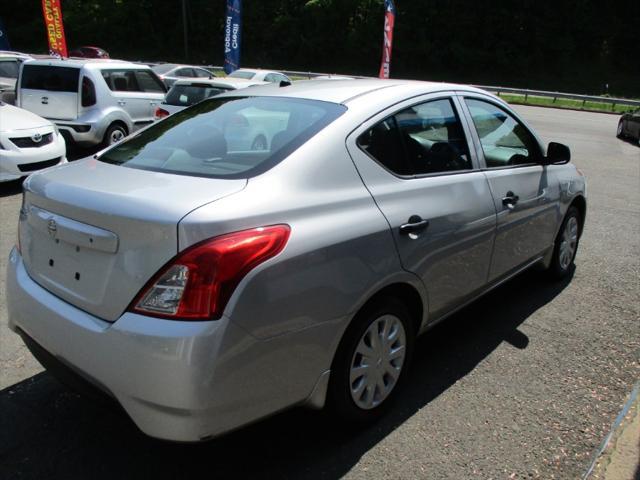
526,194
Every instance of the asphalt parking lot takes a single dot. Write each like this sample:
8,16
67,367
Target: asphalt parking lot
524,383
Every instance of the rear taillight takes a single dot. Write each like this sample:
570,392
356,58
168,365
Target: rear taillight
161,113
198,283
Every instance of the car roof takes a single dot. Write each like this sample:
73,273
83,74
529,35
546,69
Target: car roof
258,70
9,54
221,82
344,91
90,63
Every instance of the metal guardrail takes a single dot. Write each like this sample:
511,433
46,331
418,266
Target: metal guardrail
555,95
497,90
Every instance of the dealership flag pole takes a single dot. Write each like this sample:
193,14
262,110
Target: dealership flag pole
52,12
389,21
232,36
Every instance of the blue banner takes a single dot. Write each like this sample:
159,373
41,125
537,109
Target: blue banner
232,36
4,39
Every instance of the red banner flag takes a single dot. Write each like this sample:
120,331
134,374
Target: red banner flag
52,12
389,21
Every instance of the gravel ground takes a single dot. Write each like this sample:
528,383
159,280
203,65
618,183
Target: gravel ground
524,383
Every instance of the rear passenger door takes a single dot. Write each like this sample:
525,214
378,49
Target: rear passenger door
137,92
415,161
526,194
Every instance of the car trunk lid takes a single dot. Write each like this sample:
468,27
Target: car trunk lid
93,233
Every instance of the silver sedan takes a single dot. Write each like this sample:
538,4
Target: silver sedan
204,287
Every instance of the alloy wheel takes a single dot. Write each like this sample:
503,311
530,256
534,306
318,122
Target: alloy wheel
568,243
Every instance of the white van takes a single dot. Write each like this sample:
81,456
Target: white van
91,101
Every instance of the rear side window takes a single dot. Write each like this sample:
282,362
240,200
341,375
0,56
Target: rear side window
88,92
384,144
132,81
9,68
148,82
242,74
423,139
433,137
186,95
230,137
200,73
46,77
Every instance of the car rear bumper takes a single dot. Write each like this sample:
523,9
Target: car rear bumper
80,133
181,381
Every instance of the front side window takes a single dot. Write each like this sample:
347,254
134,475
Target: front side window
505,141
232,137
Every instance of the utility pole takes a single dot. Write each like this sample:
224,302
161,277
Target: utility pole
184,29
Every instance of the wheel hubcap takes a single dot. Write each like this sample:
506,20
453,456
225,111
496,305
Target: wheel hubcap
116,136
377,362
568,243
619,128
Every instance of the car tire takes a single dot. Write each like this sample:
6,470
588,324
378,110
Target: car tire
566,245
259,143
114,134
361,386
620,130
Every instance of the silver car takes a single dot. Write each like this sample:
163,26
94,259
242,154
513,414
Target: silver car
205,288
91,101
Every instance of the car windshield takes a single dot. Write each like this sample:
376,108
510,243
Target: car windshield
164,68
229,137
187,95
242,74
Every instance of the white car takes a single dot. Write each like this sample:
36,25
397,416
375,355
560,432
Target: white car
258,75
9,67
185,93
92,101
27,143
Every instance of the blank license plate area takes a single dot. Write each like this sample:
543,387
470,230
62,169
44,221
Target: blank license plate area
67,269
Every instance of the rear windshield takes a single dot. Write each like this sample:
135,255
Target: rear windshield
187,95
46,77
229,137
242,74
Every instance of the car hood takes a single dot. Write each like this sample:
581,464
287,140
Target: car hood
14,118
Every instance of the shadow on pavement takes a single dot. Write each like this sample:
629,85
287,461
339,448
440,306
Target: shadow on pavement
13,187
48,432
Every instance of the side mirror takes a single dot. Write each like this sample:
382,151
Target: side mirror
557,154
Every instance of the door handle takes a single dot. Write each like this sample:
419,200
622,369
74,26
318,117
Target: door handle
510,200
415,224
121,102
